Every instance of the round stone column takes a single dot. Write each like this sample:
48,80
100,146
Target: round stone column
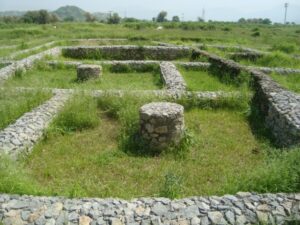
86,72
162,124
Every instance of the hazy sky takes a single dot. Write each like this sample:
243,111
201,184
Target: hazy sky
229,10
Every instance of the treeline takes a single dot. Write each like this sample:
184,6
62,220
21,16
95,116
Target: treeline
38,17
255,20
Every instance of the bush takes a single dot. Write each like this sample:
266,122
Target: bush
78,114
172,187
255,34
287,48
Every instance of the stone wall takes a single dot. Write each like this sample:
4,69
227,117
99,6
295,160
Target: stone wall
127,52
171,77
280,107
26,63
20,137
243,208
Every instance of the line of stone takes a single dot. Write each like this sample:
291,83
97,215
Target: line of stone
242,208
20,137
280,107
172,78
199,95
130,63
26,63
128,52
15,54
188,65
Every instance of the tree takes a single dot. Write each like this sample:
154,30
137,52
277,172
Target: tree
89,17
200,19
114,18
175,19
39,17
242,20
162,17
266,21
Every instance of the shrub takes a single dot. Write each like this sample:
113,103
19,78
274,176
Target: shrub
255,34
172,186
78,114
287,48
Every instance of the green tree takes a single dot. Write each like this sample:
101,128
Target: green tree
175,19
114,19
89,17
39,17
162,17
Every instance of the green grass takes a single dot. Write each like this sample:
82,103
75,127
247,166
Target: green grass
67,78
14,104
202,80
291,81
275,59
91,162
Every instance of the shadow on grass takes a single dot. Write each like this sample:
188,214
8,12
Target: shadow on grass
257,124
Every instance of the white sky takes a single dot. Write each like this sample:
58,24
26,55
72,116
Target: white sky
228,10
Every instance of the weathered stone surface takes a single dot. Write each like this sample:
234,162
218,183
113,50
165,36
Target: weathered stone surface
127,52
150,210
21,136
87,71
172,78
161,124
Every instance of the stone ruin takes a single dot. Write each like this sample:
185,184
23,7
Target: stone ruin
162,124
86,72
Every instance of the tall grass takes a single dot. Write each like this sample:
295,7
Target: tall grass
14,104
14,179
78,114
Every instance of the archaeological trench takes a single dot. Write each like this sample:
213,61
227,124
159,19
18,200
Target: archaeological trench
161,123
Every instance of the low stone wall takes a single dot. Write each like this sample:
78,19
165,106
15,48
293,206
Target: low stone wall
171,77
20,137
246,55
281,109
243,208
282,71
127,52
26,63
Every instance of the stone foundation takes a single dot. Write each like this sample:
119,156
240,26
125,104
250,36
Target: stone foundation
162,124
86,72
129,52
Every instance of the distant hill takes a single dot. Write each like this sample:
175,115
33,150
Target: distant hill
66,12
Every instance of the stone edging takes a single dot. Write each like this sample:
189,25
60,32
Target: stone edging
26,63
171,77
131,52
20,137
280,107
243,208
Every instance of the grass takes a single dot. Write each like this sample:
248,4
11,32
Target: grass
14,104
42,77
91,161
275,59
202,80
291,81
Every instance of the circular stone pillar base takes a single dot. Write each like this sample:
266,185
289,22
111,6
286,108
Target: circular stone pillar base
162,124
86,72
